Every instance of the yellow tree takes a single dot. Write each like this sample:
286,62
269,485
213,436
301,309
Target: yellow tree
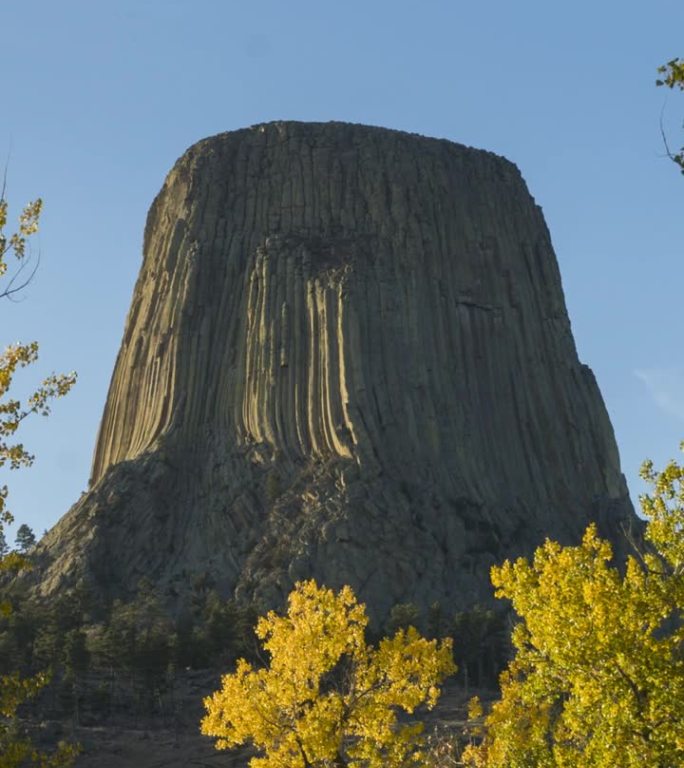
598,675
18,751
15,356
673,77
327,699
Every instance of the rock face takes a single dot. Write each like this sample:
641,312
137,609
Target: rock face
348,356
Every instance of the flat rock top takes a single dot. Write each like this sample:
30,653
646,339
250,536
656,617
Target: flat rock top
336,132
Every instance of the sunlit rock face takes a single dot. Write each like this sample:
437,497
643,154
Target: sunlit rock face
348,356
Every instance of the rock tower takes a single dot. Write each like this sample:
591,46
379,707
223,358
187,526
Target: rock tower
347,356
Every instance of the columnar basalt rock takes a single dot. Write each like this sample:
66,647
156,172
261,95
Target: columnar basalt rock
348,356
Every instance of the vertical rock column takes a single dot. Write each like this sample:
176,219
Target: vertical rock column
347,356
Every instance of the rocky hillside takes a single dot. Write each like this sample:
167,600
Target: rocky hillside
347,356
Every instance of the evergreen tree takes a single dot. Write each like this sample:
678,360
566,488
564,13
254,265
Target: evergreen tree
26,539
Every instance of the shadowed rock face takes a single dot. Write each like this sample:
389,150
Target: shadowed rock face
347,356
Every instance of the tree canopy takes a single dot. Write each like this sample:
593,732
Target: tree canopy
598,674
12,410
17,750
673,77
327,698
25,538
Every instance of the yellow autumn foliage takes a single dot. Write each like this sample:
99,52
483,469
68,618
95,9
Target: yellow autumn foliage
671,75
327,698
12,410
17,751
598,675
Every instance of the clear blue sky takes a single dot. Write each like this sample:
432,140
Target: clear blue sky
98,99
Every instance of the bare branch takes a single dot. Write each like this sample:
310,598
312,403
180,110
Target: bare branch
12,289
